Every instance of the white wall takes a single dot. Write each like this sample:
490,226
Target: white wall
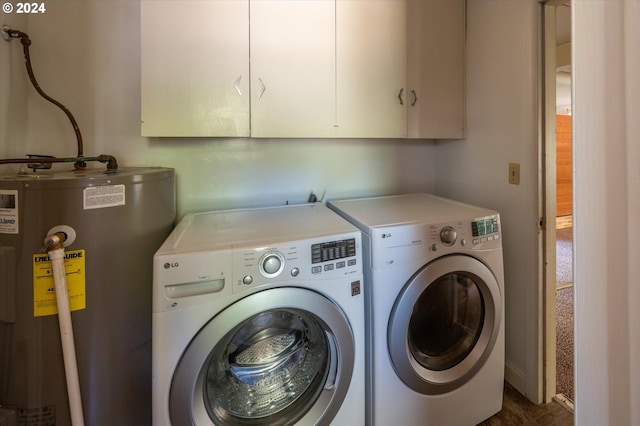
86,55
607,211
502,82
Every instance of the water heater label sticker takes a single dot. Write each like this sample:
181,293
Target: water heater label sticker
98,197
44,288
45,415
9,211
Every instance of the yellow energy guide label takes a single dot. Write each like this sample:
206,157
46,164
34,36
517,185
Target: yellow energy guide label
44,288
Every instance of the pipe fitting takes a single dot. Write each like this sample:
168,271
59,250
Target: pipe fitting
58,237
54,241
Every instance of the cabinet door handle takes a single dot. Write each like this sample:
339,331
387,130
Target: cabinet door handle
263,88
400,96
414,98
236,85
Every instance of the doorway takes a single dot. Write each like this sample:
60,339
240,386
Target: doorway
557,204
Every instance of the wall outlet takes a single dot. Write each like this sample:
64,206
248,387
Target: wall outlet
514,173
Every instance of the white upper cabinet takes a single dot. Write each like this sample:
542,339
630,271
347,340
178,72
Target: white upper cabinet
292,68
195,68
303,68
371,45
436,66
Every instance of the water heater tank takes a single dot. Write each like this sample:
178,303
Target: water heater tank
119,220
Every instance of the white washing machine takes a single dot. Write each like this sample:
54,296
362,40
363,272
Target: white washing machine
434,284
258,318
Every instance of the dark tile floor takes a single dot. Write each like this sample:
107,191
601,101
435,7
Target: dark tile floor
519,411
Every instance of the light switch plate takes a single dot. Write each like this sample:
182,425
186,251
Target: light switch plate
514,173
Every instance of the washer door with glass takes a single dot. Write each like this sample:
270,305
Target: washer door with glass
444,324
279,357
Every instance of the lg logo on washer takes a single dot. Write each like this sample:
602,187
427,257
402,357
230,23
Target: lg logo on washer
386,235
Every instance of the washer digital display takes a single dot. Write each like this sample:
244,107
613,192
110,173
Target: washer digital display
324,252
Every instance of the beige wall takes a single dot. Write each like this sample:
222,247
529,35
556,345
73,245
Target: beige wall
86,54
607,211
13,104
502,128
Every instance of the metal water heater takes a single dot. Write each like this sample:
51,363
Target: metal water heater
120,219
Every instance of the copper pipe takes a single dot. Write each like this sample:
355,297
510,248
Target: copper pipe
112,163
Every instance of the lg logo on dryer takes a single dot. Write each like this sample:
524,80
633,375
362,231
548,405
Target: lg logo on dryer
387,235
169,265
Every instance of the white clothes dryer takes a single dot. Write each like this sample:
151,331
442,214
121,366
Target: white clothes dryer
258,318
434,285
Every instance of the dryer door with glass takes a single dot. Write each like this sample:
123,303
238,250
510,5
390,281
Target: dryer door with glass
280,356
444,324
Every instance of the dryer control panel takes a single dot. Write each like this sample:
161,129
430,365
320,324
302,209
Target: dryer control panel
478,233
397,245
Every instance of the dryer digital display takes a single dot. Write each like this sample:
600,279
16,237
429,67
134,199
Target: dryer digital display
484,226
333,250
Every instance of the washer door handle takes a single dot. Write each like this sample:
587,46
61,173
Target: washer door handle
333,366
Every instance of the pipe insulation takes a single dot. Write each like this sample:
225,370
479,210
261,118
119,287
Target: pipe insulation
66,334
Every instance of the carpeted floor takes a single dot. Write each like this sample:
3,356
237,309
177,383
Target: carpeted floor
564,342
564,313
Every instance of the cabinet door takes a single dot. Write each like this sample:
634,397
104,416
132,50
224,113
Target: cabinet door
371,68
195,68
436,68
292,68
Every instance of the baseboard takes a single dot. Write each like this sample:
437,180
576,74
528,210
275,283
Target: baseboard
561,286
565,402
564,222
515,378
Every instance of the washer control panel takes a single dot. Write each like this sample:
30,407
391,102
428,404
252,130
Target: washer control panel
333,254
313,259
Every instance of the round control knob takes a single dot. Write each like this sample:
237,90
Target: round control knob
295,272
448,235
271,264
248,279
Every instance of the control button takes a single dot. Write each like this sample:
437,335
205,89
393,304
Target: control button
463,242
341,264
351,262
328,267
434,247
483,240
248,279
316,269
295,272
475,241
448,236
